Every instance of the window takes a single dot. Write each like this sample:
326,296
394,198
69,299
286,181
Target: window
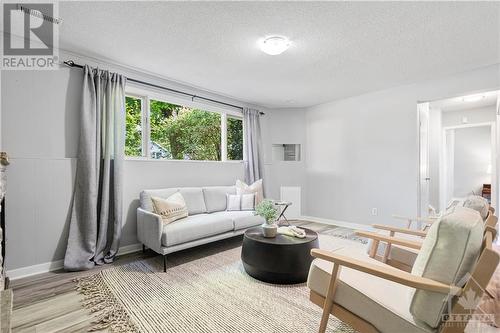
180,132
234,139
133,138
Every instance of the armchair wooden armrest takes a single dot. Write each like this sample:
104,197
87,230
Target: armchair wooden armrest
400,230
390,240
410,220
387,273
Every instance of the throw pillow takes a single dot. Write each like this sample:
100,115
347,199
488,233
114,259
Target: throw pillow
240,202
233,202
171,209
256,187
248,201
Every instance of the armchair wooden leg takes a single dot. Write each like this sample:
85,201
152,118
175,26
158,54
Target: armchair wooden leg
387,249
327,307
373,249
165,263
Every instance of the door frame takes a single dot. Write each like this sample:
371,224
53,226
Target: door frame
419,156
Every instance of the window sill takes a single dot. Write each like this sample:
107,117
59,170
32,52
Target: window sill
145,159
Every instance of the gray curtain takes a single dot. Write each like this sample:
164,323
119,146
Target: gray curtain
96,214
252,151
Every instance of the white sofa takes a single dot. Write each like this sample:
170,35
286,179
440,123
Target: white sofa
208,219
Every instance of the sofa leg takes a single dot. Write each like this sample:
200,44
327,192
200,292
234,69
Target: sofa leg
143,248
165,263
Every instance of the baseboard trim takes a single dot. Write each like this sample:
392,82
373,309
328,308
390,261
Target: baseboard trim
19,273
338,223
23,272
129,249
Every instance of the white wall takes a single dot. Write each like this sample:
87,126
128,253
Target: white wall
284,126
39,130
471,159
362,151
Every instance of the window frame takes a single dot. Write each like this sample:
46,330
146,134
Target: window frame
153,94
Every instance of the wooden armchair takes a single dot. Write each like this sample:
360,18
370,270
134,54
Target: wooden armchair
399,247
374,297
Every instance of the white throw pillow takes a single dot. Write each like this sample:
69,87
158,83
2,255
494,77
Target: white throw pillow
171,209
256,187
248,201
233,202
240,202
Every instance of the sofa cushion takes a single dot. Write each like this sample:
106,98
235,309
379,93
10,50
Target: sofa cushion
195,227
194,200
367,296
241,219
448,253
215,197
145,197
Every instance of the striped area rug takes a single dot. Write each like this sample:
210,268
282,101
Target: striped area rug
208,294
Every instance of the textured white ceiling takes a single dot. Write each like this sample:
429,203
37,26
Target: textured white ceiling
340,48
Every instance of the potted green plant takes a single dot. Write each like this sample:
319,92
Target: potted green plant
268,211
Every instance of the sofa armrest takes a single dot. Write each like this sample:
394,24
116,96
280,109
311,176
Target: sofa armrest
149,229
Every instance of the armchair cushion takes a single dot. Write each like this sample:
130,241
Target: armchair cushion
448,253
479,204
367,296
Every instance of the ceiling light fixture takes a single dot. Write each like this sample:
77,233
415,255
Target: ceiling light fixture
473,98
274,45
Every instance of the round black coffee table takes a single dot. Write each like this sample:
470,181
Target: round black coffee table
281,260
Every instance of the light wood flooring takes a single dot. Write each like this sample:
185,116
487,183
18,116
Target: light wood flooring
49,303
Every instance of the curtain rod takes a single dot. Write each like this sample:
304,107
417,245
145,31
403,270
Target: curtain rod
71,63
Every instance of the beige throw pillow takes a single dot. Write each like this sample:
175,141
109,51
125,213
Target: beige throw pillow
171,209
242,188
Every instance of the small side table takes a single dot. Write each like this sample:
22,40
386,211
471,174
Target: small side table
284,206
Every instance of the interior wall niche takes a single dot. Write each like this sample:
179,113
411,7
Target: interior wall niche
286,152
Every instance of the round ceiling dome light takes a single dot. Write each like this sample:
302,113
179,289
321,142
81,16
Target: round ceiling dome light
275,45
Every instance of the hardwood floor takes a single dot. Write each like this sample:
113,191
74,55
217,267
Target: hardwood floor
49,303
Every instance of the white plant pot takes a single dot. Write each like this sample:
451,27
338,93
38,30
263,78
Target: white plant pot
269,230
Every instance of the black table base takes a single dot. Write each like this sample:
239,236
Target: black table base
280,260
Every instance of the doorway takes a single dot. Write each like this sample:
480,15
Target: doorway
457,151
